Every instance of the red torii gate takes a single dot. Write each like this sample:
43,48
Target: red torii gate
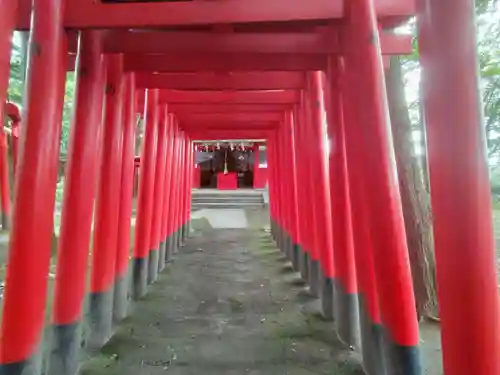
307,203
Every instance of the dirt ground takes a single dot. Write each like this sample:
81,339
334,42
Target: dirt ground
229,305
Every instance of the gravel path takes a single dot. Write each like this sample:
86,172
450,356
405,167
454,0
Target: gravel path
229,305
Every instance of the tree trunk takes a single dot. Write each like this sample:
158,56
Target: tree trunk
414,195
423,139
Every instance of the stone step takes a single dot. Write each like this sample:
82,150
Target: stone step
228,199
225,205
232,195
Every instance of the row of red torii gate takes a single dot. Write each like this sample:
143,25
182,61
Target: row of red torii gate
296,74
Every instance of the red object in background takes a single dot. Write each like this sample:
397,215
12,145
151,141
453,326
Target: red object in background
260,176
12,111
196,176
227,181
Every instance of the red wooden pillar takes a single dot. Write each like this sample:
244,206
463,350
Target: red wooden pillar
256,168
167,201
12,111
299,246
4,181
188,168
158,194
287,184
122,280
180,190
196,171
287,166
270,192
31,234
177,191
321,181
345,286
460,190
383,201
144,210
284,191
310,143
303,199
184,190
368,305
79,193
173,192
189,188
280,191
274,188
15,143
290,145
190,209
283,224
188,175
175,186
313,260
107,208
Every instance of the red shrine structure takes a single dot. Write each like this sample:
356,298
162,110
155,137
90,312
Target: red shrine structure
293,73
229,166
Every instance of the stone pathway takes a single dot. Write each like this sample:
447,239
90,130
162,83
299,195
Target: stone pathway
229,305
223,218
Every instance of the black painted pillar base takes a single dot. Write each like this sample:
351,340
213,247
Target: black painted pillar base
314,277
153,259
179,238
185,233
100,319
168,250
65,344
283,241
181,234
188,228
286,245
29,366
277,234
347,316
120,297
139,277
161,257
400,359
5,221
304,265
326,296
279,240
175,242
273,231
289,247
282,237
371,342
296,257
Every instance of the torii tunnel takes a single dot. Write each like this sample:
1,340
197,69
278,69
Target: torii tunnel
297,74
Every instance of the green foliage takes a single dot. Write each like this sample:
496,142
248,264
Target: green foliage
16,87
488,37
489,65
16,78
67,112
